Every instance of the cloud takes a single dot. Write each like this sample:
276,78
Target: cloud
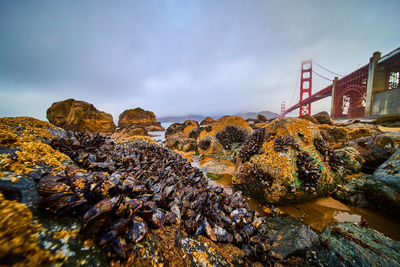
179,57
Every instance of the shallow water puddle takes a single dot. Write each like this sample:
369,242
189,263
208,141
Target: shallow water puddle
324,211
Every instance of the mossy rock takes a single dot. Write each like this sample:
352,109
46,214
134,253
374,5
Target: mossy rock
286,162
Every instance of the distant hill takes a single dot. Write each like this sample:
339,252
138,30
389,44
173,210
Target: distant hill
253,115
199,118
181,119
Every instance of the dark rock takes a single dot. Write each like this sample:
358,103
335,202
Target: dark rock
388,121
261,118
289,236
379,191
374,150
324,118
348,244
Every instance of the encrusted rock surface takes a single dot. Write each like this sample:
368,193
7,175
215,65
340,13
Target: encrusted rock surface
140,118
223,138
182,136
75,115
91,199
285,162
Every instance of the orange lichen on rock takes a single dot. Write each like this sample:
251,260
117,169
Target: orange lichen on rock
139,117
66,235
272,174
207,121
214,147
189,126
19,236
27,135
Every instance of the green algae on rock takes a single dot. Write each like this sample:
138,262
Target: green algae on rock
291,163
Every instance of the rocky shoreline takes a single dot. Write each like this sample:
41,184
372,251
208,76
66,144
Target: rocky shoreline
98,199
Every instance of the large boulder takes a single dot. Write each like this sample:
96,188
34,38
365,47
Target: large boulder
223,138
140,118
182,136
376,149
337,135
349,244
386,190
261,118
287,162
324,118
379,191
80,116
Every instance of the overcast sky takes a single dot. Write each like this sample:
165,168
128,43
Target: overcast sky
181,57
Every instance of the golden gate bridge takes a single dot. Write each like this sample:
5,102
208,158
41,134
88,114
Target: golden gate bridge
372,90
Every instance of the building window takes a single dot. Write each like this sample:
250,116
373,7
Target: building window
394,80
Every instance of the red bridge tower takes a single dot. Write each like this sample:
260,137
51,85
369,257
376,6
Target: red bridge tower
305,86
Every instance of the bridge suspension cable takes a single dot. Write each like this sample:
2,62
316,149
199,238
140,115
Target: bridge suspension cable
323,77
327,69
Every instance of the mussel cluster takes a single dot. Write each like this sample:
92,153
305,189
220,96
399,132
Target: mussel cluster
230,135
204,143
328,153
196,132
308,171
131,187
252,145
282,144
